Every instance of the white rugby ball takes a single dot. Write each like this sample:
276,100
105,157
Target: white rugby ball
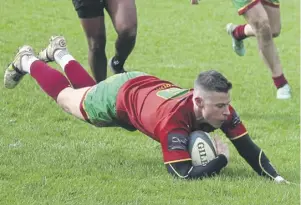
201,148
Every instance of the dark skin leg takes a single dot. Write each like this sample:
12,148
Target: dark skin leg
95,31
124,18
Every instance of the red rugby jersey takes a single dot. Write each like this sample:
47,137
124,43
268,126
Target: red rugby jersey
164,112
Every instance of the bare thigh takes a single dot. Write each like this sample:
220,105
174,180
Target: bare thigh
123,14
256,17
95,31
274,18
70,99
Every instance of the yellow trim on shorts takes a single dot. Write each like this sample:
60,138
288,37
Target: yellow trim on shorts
83,103
270,3
239,136
248,5
180,160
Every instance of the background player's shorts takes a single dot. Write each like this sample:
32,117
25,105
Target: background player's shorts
244,5
99,103
89,8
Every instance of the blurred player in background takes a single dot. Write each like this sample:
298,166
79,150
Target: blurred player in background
157,108
124,18
263,22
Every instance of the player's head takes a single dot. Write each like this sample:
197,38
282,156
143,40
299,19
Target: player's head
211,97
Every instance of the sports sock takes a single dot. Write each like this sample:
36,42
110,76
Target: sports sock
279,81
76,74
124,45
62,57
50,80
239,32
26,62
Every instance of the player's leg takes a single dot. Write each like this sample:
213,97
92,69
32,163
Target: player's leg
96,104
259,20
52,82
240,32
259,25
92,20
58,52
124,17
272,9
70,100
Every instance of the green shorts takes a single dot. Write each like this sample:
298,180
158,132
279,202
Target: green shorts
99,103
243,5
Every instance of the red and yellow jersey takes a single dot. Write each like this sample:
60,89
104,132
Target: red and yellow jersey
164,112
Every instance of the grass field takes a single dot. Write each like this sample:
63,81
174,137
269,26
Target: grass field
48,157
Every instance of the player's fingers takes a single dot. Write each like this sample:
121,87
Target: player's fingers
217,140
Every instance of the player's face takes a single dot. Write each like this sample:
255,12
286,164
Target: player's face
214,108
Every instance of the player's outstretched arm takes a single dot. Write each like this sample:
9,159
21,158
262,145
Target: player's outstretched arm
256,158
185,170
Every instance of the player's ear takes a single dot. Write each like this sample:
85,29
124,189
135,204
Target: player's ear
199,102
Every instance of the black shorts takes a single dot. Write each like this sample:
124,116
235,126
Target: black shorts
89,8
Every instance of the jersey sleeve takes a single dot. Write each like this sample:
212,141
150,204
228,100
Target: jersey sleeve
233,126
173,133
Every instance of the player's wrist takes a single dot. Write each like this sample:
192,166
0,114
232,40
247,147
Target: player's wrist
223,156
279,180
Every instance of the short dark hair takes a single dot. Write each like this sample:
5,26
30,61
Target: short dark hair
212,81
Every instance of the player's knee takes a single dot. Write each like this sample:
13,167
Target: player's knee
64,99
262,25
276,32
97,42
263,29
64,104
66,108
127,31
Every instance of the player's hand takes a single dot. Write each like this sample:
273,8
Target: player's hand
194,2
222,148
281,180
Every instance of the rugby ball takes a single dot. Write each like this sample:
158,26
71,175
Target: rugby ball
201,148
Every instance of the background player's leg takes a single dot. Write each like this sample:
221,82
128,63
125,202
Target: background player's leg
92,20
258,19
257,16
96,36
245,30
57,51
273,12
124,17
239,32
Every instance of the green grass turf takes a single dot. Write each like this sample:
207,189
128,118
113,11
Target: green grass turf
49,157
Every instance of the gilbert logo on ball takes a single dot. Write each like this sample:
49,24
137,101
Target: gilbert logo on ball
201,148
